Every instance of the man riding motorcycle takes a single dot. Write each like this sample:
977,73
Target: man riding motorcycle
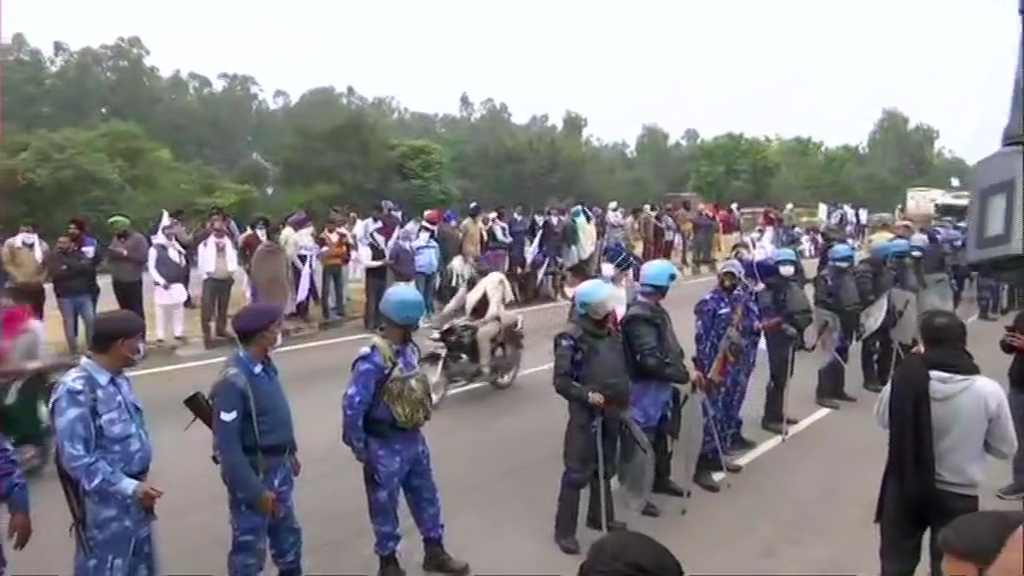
481,300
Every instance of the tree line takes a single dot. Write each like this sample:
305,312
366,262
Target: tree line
98,130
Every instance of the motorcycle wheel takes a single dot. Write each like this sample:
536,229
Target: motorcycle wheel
434,369
511,359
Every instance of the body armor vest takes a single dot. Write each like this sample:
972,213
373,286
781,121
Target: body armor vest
600,361
405,394
843,289
792,302
667,341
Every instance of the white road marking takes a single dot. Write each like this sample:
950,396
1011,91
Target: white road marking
329,341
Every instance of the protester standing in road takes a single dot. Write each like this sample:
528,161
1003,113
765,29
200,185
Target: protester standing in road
78,233
385,406
944,418
335,254
591,374
24,260
74,284
254,442
217,263
126,258
168,270
104,452
1013,343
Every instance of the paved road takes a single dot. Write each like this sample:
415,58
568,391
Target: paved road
804,506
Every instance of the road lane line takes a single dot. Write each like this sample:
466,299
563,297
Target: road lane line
776,441
351,338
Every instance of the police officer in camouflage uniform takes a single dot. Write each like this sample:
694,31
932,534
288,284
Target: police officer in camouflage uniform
254,443
13,491
104,453
590,374
386,404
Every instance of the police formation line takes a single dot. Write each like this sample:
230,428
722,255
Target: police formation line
623,373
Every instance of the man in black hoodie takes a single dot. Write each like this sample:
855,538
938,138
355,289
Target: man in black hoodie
1013,343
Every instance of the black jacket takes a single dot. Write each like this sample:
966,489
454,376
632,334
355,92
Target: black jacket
73,273
1016,373
652,350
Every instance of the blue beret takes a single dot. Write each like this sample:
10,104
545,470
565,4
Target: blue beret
254,318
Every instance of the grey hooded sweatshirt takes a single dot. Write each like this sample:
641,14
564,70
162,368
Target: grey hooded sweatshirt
970,419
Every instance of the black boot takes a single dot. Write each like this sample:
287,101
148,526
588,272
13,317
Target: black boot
567,517
389,566
873,386
828,403
772,427
742,444
663,467
668,488
438,561
705,479
594,508
650,510
567,544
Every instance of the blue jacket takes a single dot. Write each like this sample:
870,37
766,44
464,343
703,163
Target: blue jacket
243,386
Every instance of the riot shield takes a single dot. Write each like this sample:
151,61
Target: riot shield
904,305
826,333
873,316
636,466
691,436
936,294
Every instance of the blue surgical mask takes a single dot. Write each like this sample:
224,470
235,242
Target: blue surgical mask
787,270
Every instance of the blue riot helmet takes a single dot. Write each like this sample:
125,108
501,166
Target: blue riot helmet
656,276
879,247
918,244
785,255
899,248
787,262
402,305
841,255
593,298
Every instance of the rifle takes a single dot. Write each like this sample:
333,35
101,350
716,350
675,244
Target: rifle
727,347
201,408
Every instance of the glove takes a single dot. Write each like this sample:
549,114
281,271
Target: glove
789,331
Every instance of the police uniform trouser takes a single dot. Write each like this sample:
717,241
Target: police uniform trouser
579,455
401,462
119,540
781,349
661,440
876,355
251,529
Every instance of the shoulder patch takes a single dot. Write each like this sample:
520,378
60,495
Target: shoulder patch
228,416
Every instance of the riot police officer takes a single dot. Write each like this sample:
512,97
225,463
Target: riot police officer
874,279
785,314
903,298
590,373
656,362
837,306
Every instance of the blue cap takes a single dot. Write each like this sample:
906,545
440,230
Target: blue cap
255,318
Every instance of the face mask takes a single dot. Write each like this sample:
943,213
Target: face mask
138,355
787,271
843,265
28,238
915,255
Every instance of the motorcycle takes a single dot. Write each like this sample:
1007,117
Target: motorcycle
25,420
456,362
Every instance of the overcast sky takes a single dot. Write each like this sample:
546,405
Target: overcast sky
824,68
